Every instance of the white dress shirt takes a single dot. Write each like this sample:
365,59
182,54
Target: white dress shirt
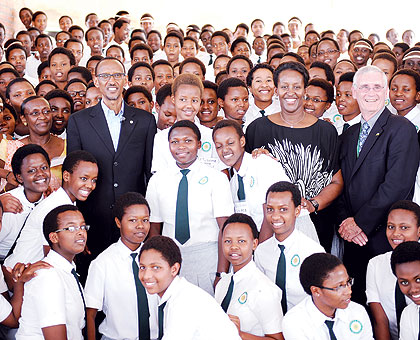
254,112
159,54
207,154
12,223
306,322
208,198
409,323
380,287
297,248
255,300
192,314
110,287
258,175
32,64
29,247
414,117
52,298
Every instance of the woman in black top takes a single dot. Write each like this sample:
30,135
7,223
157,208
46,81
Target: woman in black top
306,146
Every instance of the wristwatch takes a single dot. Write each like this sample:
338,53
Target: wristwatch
315,204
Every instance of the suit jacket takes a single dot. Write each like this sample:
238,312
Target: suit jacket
384,173
127,169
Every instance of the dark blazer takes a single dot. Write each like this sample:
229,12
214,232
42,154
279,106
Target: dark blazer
127,169
384,173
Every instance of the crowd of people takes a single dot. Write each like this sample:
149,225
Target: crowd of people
233,184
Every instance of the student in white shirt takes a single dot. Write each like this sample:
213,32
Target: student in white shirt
346,104
405,264
195,226
256,174
80,172
185,311
287,247
31,168
261,85
327,313
187,90
54,305
254,302
403,225
114,293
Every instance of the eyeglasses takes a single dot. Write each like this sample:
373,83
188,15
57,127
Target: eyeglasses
77,93
341,287
329,52
74,228
366,88
315,100
107,76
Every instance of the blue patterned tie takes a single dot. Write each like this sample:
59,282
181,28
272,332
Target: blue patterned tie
182,224
363,136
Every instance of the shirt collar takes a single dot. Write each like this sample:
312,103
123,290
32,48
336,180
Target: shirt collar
372,120
170,290
289,241
108,111
246,159
415,111
244,272
59,261
319,318
125,251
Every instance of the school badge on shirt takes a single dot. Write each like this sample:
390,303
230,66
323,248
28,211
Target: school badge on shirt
206,146
356,326
295,261
242,299
203,180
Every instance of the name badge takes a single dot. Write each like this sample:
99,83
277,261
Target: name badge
211,162
241,207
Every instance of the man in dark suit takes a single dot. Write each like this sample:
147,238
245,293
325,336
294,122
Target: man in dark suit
379,158
121,138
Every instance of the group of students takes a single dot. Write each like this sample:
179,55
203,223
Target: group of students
233,238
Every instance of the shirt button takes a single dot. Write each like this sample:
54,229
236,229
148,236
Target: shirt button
115,185
115,163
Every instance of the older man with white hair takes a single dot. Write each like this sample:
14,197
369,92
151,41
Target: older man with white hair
379,158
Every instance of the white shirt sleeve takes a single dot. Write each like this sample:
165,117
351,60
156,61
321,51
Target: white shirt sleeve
409,323
152,197
94,291
5,308
221,196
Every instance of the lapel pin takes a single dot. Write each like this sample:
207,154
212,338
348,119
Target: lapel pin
377,134
131,122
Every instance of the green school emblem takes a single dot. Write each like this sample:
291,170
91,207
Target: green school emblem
204,180
242,299
356,326
295,260
252,181
336,118
206,146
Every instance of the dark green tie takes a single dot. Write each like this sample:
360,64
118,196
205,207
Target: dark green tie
182,223
142,304
281,278
211,59
262,113
228,296
241,190
76,276
160,319
330,325
400,303
259,60
346,126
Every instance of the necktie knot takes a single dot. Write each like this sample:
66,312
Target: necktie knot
346,126
134,255
185,172
282,247
365,127
262,113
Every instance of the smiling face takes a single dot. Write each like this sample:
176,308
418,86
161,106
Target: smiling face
110,88
403,94
209,107
262,86
34,175
38,117
154,41
327,300
316,101
347,106
187,101
281,213
360,55
79,184
238,244
95,40
184,146
291,89
370,92
328,53
229,146
408,275
134,225
402,226
77,91
67,243
26,18
155,273
61,110
163,75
